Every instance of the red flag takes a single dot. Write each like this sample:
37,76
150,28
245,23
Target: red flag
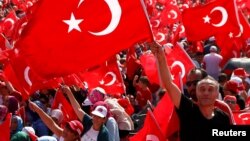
150,130
24,79
133,64
177,59
73,79
242,118
8,24
245,26
10,75
5,128
107,76
60,102
73,40
170,15
216,17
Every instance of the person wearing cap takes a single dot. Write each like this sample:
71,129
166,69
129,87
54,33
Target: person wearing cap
211,62
57,116
241,86
231,88
94,125
31,132
71,132
196,118
110,123
245,80
231,101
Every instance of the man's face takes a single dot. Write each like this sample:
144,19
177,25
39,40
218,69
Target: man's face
192,80
206,94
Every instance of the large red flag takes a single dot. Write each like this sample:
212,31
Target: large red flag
201,22
5,128
82,35
150,130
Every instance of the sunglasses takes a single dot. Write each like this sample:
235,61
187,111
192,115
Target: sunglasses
190,83
230,102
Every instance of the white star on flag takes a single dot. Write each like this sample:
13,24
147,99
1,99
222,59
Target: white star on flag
230,35
206,19
73,23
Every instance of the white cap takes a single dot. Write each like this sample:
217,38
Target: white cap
28,129
213,48
100,111
58,114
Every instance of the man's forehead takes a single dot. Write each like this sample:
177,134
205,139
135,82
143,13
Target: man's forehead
207,82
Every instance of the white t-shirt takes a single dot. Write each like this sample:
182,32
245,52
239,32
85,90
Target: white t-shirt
90,135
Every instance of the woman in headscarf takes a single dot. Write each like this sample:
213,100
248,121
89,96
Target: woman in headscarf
16,125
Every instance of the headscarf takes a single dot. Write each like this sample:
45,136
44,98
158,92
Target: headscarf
19,124
12,104
20,136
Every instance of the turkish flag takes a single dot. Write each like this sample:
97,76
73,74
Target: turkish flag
8,24
150,130
73,79
5,128
202,22
23,78
242,118
177,59
106,76
10,75
245,26
170,15
60,102
83,35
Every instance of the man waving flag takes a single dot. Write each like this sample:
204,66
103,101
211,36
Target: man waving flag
64,37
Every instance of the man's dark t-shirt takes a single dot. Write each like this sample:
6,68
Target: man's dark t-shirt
194,126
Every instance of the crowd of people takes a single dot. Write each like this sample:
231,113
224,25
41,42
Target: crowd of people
209,99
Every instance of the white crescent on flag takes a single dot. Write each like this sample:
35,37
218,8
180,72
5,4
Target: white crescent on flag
26,76
224,16
116,12
11,22
180,64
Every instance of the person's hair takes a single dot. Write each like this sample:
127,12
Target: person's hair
209,80
144,80
194,71
222,77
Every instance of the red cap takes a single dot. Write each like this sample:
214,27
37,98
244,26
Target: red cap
231,86
241,72
230,97
76,125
